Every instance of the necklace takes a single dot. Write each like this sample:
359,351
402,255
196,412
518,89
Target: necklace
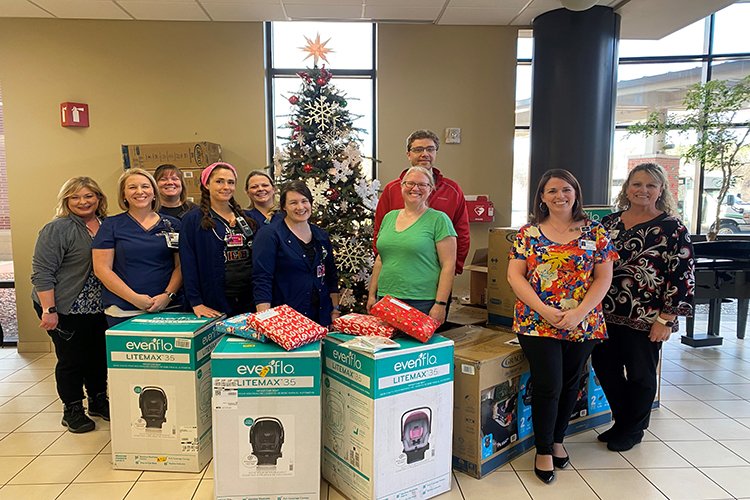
566,229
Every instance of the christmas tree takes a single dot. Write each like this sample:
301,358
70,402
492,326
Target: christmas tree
323,151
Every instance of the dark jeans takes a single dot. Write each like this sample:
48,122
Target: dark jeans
80,346
556,367
630,396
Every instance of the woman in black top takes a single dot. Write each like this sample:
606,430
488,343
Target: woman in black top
172,195
653,283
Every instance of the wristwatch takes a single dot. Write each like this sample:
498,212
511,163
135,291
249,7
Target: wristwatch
50,310
665,322
171,295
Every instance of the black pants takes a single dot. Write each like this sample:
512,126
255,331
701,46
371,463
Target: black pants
556,367
626,368
80,346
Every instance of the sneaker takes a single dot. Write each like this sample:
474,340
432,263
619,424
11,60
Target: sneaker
75,419
99,406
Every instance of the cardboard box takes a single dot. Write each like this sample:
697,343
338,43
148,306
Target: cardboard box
500,297
478,277
182,155
467,315
267,417
388,423
492,413
160,392
480,208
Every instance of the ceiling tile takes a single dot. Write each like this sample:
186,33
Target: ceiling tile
243,11
536,8
167,10
342,12
495,16
83,9
489,4
21,8
411,3
396,13
357,3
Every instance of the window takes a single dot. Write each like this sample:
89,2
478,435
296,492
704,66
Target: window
352,62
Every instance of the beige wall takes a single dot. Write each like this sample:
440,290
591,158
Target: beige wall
451,76
144,82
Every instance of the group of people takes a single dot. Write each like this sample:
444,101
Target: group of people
611,290
91,271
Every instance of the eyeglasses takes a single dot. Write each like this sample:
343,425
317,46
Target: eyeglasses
412,184
420,149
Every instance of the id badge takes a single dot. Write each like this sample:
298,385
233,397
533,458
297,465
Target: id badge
173,240
234,240
321,270
588,244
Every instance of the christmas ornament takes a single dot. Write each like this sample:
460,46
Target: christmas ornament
316,49
307,168
321,113
332,194
321,81
294,99
318,191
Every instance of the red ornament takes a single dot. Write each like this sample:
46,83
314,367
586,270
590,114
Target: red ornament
333,194
307,168
294,99
321,81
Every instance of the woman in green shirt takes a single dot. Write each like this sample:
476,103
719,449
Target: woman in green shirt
416,250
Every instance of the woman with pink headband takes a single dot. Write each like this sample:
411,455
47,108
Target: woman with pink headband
216,248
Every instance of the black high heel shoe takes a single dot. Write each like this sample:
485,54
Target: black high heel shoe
561,462
546,476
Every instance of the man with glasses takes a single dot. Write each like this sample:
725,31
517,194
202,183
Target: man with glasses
421,150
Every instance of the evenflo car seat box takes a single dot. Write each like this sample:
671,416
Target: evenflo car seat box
160,391
388,419
266,408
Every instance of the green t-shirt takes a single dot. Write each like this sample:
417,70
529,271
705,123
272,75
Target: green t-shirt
411,267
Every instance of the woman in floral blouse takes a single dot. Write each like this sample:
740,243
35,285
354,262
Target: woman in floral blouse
560,268
653,283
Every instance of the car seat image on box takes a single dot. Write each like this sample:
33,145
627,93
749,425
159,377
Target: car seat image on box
266,438
416,426
153,404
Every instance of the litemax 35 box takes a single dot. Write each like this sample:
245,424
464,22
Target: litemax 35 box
266,408
160,392
387,419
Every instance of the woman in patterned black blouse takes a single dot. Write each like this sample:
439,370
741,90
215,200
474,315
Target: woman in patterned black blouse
652,284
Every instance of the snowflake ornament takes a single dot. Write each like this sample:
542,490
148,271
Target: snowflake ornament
352,255
318,191
341,171
347,297
363,276
322,113
368,191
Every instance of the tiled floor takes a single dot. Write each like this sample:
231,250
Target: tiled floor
698,445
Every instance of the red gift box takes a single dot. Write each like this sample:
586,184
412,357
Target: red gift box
409,320
287,327
363,324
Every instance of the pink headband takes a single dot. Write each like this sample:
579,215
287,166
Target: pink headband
207,171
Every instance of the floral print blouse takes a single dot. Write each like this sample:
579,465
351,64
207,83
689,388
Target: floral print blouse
560,274
655,272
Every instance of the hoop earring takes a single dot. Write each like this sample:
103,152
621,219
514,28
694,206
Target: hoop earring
542,206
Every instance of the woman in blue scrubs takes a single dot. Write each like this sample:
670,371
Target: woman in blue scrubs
216,247
135,253
261,190
293,261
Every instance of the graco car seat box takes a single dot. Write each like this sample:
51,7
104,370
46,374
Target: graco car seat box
160,391
388,419
266,410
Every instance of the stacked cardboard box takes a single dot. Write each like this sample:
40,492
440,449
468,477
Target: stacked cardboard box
500,297
160,392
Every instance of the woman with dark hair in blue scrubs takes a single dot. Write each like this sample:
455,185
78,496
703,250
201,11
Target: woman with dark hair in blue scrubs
293,261
135,252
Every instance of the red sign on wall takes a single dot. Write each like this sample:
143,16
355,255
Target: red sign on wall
74,114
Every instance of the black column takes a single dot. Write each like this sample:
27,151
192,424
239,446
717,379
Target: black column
573,97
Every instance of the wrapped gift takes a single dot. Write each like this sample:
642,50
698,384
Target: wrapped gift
287,327
239,326
363,324
404,317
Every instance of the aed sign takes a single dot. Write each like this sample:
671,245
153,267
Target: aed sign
74,114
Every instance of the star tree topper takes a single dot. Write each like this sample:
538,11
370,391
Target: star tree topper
316,49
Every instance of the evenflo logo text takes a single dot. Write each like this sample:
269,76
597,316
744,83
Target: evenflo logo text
274,368
424,360
349,359
153,345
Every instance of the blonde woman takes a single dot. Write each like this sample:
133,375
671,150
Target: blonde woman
135,252
261,190
67,298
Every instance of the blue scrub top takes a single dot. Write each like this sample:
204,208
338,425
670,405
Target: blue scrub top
142,258
258,217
